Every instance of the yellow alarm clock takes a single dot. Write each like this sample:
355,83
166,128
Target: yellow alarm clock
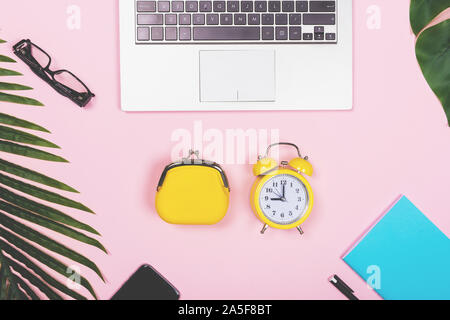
281,196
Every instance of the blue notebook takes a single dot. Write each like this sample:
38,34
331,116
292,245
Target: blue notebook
404,256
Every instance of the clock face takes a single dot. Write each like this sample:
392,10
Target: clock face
284,199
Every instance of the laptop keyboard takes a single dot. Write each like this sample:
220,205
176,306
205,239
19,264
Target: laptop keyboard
236,22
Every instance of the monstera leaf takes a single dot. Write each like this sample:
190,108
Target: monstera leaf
432,47
21,278
423,11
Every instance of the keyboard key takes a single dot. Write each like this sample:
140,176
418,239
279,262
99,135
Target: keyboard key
247,6
301,6
226,19
319,19
322,6
287,6
185,33
261,6
274,6
171,33
240,19
319,36
295,33
319,33
330,36
233,6
171,19
267,19
319,29
150,19
163,6
199,19
146,6
212,19
254,19
185,19
281,18
281,33
219,6
267,33
157,33
226,33
307,36
295,19
205,6
191,6
143,33
177,6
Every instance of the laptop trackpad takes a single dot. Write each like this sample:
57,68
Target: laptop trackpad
237,76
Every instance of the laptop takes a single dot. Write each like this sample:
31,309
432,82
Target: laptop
236,55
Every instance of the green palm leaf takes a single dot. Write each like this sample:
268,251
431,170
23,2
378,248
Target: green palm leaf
19,99
10,288
25,288
29,152
15,237
38,271
28,174
44,210
7,72
11,134
38,283
13,86
1,271
6,59
46,242
16,122
44,258
42,193
3,277
49,224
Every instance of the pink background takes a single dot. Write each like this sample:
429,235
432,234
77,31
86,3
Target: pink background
395,141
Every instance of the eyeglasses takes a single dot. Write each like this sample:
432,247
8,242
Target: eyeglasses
63,81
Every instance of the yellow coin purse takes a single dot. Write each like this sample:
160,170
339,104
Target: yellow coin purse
193,192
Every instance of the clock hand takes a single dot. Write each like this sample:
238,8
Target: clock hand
281,197
276,193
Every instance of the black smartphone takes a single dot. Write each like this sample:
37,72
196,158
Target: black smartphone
147,284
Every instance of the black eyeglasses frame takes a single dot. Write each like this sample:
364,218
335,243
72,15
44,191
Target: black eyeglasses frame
23,50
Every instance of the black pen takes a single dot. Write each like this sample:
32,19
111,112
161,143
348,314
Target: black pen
342,287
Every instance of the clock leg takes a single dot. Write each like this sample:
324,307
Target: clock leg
300,230
266,226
